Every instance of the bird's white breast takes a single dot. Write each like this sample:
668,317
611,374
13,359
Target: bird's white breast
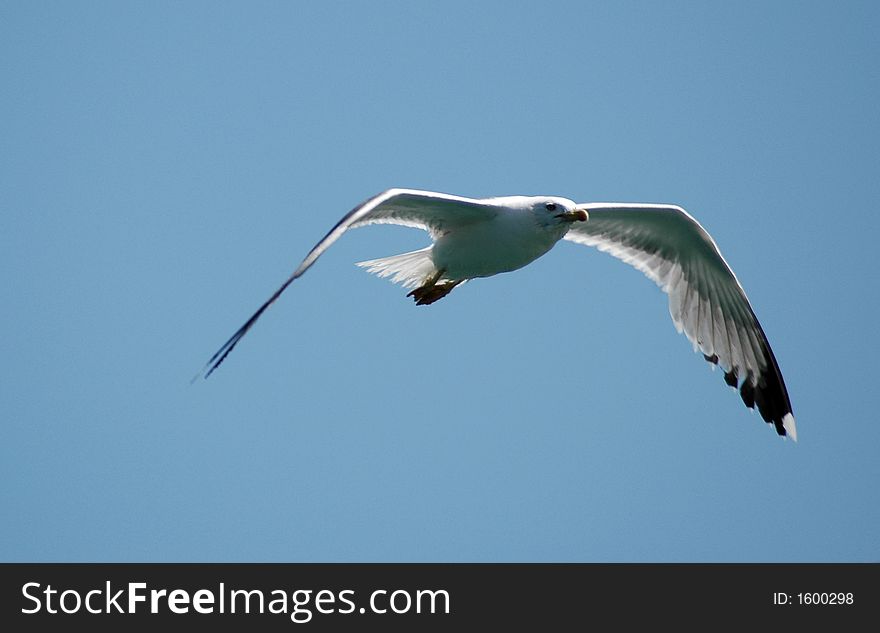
482,249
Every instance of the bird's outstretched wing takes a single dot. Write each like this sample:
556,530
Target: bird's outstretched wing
706,300
428,210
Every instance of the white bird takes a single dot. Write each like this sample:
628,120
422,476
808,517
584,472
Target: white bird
483,237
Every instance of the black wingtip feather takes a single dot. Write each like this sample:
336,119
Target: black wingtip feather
220,355
731,378
767,391
770,394
747,393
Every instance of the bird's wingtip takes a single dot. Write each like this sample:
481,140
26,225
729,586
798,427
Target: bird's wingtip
204,372
789,426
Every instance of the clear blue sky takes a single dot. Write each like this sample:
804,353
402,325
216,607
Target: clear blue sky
164,166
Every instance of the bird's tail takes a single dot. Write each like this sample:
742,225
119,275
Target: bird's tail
407,269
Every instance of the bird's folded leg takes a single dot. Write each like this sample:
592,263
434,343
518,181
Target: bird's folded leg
431,291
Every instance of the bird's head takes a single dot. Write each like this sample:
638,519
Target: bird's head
555,212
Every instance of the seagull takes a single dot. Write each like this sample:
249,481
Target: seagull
473,238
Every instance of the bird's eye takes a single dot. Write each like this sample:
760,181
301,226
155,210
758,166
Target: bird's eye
550,206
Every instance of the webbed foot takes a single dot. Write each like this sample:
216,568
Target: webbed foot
431,291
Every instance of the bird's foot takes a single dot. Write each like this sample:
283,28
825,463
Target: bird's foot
431,292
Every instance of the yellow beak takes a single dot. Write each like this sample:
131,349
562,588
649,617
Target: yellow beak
578,215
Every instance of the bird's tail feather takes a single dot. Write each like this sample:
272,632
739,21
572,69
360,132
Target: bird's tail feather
407,269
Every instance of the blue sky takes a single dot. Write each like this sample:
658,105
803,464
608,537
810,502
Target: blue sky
166,165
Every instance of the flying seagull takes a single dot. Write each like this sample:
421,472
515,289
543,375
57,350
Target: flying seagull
483,237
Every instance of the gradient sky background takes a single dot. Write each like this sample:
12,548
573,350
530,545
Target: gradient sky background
164,166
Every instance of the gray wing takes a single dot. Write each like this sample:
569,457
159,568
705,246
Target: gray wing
706,300
428,210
